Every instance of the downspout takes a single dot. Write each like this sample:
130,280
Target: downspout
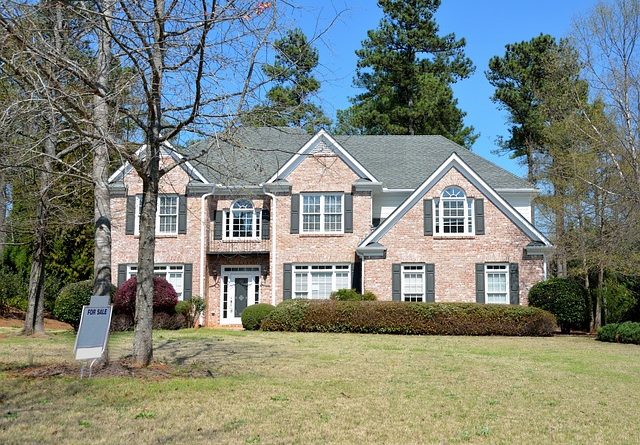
273,233
362,290
203,241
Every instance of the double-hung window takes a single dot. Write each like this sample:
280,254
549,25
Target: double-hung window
317,281
453,213
413,282
322,213
173,273
242,221
497,283
166,215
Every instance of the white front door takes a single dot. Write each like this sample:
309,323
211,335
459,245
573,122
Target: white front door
240,288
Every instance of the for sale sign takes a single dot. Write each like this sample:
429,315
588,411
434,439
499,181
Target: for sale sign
93,332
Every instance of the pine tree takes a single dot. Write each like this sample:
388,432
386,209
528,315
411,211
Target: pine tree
289,103
406,70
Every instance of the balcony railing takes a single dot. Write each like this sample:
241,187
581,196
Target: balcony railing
237,245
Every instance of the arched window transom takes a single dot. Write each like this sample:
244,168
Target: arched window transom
242,220
453,213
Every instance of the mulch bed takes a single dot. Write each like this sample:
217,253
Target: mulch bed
120,368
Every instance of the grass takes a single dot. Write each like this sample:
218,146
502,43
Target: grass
288,388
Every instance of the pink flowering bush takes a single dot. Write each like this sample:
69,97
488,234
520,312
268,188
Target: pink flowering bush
165,297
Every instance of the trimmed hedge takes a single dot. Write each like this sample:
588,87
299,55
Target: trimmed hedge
165,297
68,305
253,315
352,295
628,332
392,317
564,298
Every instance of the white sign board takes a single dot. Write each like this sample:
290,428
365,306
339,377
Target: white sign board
93,332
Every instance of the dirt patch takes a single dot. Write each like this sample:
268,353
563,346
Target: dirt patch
14,318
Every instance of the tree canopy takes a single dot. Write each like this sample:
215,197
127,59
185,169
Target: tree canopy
406,69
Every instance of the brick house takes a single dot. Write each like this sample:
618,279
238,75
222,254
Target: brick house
281,214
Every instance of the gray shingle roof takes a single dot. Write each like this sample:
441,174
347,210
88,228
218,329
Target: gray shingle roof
400,162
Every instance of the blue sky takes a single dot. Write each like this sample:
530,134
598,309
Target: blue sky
486,25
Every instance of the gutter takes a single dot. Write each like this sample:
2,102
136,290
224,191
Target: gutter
273,233
203,240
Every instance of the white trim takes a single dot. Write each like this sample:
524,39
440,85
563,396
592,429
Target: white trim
136,214
454,161
166,269
468,214
307,268
422,270
293,162
256,222
322,213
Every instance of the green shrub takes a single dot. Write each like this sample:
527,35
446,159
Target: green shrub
619,301
68,305
391,317
352,295
627,332
253,315
564,298
13,291
191,309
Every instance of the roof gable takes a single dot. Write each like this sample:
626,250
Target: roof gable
455,162
167,150
321,143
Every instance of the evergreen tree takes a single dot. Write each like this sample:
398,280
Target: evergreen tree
289,102
407,69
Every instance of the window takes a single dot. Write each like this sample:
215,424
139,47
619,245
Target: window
413,283
317,281
322,213
166,215
173,273
497,283
453,213
242,221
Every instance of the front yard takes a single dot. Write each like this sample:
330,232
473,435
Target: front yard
288,388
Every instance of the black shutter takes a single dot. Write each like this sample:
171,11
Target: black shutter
265,219
356,275
295,213
479,216
514,284
430,280
122,274
479,282
396,281
187,285
286,282
428,217
348,213
217,226
130,221
182,214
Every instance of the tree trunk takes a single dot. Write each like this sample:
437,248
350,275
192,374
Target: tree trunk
597,319
100,173
34,318
3,210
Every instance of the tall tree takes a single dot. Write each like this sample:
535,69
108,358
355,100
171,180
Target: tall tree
518,78
407,70
289,101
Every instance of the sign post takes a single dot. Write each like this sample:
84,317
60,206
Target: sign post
93,334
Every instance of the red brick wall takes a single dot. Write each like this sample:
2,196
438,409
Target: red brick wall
454,257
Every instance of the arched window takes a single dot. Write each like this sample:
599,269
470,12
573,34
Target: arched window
453,212
242,220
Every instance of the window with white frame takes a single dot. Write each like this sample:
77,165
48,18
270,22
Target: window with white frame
322,213
242,221
413,282
453,213
173,273
317,281
497,283
166,215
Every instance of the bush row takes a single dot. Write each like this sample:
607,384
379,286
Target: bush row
628,332
390,317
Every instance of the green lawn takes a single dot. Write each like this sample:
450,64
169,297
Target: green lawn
287,388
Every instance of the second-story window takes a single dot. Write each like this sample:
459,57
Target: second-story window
166,215
453,213
242,221
322,213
